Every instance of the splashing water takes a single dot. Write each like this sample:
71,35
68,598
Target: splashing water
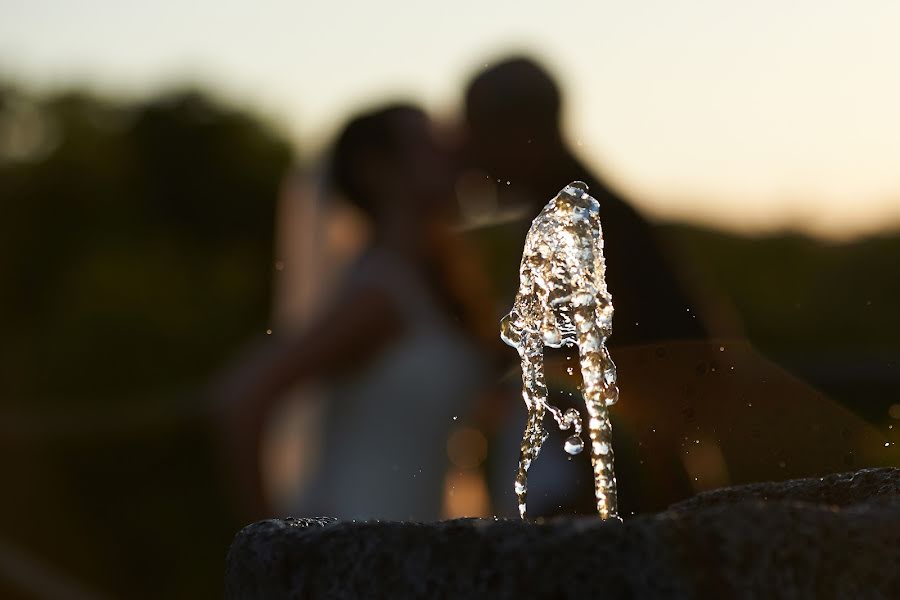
563,300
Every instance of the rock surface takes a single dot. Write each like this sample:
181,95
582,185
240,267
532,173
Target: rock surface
840,489
834,537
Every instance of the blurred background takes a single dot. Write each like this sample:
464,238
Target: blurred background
164,172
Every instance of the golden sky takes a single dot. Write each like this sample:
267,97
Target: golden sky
748,115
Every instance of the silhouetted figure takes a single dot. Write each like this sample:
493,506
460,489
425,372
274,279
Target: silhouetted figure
390,347
513,119
513,134
692,415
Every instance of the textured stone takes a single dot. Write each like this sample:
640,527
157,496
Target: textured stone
840,489
835,537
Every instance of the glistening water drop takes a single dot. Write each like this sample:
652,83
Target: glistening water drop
563,300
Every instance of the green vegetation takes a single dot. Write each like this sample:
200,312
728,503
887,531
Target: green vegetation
136,245
826,312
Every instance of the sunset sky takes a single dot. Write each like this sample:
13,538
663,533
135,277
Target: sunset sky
748,115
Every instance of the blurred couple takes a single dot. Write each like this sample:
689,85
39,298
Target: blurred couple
405,342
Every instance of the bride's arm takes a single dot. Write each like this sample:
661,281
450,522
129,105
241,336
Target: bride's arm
349,334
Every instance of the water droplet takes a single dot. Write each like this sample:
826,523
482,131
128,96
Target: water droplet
563,301
574,445
268,332
552,338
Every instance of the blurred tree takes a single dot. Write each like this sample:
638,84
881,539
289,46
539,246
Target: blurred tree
136,244
138,250
827,312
